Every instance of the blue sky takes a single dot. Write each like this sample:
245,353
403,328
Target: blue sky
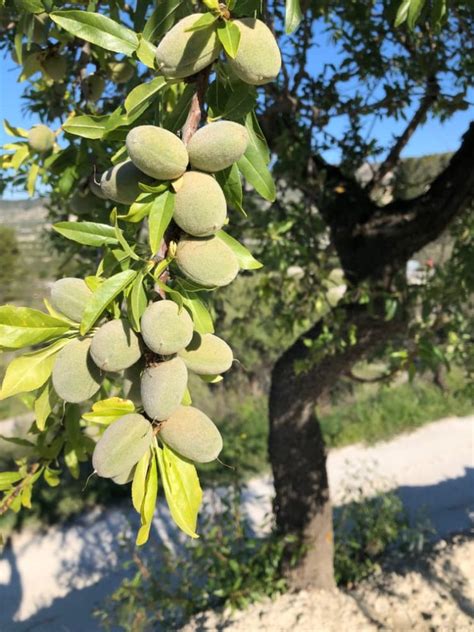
432,137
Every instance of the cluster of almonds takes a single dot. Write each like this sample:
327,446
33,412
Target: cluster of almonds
200,208
154,364
159,385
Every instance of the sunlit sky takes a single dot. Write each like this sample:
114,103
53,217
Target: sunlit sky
432,137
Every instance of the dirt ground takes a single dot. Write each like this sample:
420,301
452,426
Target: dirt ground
433,594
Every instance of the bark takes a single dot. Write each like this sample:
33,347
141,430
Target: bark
372,243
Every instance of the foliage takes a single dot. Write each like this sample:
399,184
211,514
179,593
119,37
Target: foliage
139,244
389,58
11,268
228,567
368,530
371,417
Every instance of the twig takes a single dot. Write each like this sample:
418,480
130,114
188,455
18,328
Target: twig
431,94
5,505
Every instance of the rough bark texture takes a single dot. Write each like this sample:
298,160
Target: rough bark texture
371,242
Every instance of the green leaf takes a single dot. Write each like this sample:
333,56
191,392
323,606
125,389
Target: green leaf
175,119
108,410
402,12
24,326
30,371
137,302
229,36
253,164
141,97
14,131
31,179
414,12
202,319
256,172
182,490
159,219
234,102
206,20
87,233
139,481
293,15
30,6
146,52
438,11
97,29
246,260
44,404
92,127
231,183
104,295
7,479
162,18
148,504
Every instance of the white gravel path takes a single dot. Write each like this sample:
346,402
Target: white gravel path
50,582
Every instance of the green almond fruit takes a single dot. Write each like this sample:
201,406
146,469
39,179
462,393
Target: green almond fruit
182,53
75,376
55,66
120,71
157,152
70,297
115,346
162,388
258,59
82,202
41,138
120,183
131,382
121,446
217,146
207,261
191,433
200,206
165,328
92,87
207,355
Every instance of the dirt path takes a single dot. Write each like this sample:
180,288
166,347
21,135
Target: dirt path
434,594
51,581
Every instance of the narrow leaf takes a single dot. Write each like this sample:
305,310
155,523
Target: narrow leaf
139,481
182,489
160,216
162,18
91,127
229,36
24,326
87,233
104,295
246,260
141,97
97,29
108,410
149,503
44,404
30,371
293,15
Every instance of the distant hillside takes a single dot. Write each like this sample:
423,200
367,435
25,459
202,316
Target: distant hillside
29,219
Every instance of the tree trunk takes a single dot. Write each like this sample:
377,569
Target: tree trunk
297,453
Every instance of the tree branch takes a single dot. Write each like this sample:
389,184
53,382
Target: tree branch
431,94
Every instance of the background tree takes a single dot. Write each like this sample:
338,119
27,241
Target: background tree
400,60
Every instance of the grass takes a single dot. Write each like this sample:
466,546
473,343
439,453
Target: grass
393,410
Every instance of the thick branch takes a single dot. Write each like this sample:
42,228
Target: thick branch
369,239
431,94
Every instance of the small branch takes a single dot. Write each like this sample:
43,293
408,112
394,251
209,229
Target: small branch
5,505
196,111
371,380
431,94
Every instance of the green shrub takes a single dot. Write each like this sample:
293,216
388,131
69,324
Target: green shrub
226,567
372,526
